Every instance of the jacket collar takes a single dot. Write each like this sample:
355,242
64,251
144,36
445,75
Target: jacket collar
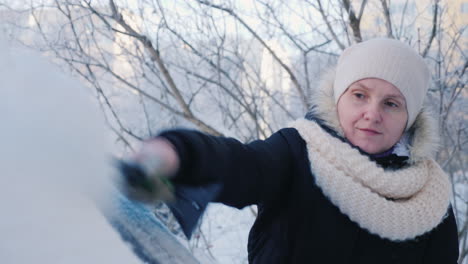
421,139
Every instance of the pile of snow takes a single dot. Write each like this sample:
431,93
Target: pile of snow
54,164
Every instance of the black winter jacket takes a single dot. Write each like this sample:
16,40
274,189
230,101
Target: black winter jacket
296,223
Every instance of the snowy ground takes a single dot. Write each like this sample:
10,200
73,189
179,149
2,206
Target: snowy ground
227,229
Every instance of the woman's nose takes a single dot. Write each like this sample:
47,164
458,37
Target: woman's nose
372,113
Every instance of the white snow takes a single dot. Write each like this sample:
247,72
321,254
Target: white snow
54,164
227,231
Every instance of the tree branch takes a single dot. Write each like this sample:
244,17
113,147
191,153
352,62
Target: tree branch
434,27
388,20
330,28
155,55
354,22
270,50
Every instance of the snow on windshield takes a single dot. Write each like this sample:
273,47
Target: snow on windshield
54,165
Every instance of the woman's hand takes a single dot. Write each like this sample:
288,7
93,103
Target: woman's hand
158,156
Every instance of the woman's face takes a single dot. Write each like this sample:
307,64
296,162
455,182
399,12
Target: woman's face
372,113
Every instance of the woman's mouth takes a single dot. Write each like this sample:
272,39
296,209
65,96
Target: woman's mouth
369,132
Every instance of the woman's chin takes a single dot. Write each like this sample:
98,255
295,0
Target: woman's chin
371,148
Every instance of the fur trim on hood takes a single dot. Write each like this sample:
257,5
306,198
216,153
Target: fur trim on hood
423,135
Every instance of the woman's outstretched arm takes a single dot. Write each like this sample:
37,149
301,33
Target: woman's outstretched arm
248,173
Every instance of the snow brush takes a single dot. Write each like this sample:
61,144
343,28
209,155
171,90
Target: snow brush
140,183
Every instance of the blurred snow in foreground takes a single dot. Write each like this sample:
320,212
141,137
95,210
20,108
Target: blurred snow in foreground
53,160
54,165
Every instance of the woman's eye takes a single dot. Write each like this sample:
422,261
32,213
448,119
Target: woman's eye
391,104
359,95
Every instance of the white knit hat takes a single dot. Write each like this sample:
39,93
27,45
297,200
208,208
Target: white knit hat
389,60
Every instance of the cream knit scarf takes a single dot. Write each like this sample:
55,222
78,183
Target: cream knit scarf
394,204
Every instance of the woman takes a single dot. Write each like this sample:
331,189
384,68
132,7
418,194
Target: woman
353,182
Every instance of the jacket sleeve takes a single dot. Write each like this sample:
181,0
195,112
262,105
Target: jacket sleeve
248,173
443,243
